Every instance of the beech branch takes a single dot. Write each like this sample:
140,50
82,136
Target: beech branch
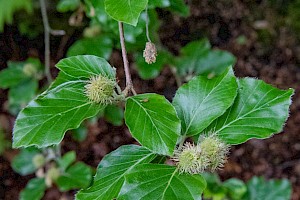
129,85
47,32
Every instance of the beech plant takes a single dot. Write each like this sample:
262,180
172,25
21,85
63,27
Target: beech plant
213,112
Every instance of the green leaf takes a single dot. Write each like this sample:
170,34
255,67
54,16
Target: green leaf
78,175
198,58
236,188
86,46
23,162
12,76
67,5
114,115
8,8
80,133
214,189
155,181
179,7
84,66
111,171
215,62
151,71
46,119
62,107
152,120
127,11
67,159
34,189
20,95
158,4
202,100
259,111
259,188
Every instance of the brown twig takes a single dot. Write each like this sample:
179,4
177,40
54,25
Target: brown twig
47,33
129,85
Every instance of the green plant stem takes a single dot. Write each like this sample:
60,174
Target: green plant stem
129,85
147,25
47,32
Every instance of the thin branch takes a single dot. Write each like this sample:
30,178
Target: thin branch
47,33
129,86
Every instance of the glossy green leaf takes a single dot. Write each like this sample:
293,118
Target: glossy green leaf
76,176
161,182
84,66
62,107
259,111
86,46
259,188
202,100
127,11
152,120
114,115
46,119
34,189
23,162
66,160
111,171
67,5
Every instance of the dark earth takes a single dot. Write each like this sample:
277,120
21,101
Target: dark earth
273,59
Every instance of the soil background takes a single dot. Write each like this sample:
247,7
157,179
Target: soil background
274,59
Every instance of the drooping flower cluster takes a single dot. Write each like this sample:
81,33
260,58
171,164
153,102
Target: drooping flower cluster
210,154
150,53
100,89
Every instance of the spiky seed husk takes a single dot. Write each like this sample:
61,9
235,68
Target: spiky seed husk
100,89
215,150
150,53
210,154
189,159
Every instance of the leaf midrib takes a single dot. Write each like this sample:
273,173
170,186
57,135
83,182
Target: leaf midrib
258,108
